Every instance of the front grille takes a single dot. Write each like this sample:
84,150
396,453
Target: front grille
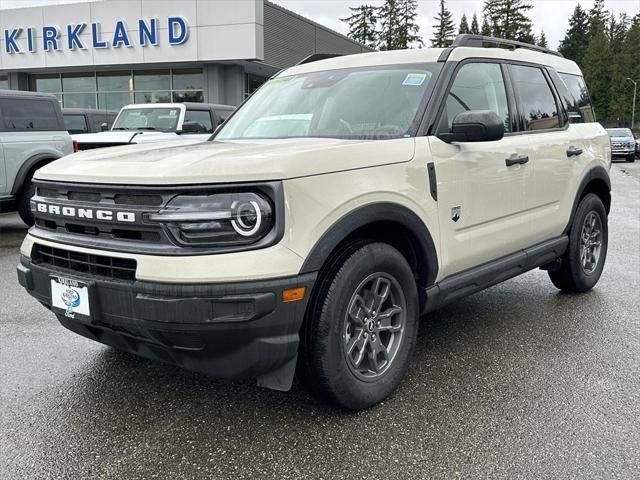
96,265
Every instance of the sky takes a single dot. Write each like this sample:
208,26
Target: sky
548,15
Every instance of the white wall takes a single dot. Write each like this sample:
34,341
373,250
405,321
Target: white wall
218,30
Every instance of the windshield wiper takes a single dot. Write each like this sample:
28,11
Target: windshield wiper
119,128
146,128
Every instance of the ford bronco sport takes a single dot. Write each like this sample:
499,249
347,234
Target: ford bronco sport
344,199
32,134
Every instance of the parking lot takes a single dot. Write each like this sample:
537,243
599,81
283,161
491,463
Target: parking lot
517,381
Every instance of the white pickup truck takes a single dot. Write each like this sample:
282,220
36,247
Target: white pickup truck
158,122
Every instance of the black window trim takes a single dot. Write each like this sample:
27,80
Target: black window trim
212,117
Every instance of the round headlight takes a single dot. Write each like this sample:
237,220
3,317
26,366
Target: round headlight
247,218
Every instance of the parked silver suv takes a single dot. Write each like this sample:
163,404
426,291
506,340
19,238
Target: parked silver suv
32,134
622,143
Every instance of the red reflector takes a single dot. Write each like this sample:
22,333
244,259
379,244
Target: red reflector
75,146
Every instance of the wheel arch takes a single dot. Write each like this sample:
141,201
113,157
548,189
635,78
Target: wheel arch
28,167
383,221
596,181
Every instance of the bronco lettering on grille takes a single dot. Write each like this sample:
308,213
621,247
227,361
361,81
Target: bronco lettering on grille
88,213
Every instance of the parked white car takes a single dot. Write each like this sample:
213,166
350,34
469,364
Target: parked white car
158,122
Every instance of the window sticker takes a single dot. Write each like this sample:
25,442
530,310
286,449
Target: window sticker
414,79
173,113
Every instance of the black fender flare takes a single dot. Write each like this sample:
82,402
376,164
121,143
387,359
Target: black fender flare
27,166
595,173
369,214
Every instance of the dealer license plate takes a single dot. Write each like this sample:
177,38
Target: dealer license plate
70,295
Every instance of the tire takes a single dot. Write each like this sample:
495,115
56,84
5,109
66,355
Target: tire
329,332
631,157
574,275
23,201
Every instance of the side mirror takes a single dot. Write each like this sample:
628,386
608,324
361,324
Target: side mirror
474,126
104,127
191,127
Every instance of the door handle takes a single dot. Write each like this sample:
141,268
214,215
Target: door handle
573,151
516,159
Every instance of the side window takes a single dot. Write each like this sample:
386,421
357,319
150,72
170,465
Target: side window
477,86
223,115
537,103
75,123
22,114
201,118
579,105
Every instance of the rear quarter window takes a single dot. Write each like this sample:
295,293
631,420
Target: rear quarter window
75,123
21,114
579,108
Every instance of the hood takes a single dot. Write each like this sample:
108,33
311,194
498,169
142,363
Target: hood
124,136
194,162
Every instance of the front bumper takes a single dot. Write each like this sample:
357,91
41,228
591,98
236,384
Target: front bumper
234,330
623,152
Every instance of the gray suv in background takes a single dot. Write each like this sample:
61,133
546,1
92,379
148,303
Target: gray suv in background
32,134
623,144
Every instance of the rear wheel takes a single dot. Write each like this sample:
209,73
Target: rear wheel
582,263
23,201
361,328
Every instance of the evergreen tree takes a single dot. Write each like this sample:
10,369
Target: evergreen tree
444,29
464,24
626,64
597,16
486,30
475,29
508,19
362,24
542,40
597,71
576,40
616,31
389,16
407,31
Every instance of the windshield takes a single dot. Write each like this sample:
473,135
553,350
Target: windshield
358,103
162,119
619,132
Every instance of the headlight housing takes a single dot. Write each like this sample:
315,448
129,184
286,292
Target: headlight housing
223,219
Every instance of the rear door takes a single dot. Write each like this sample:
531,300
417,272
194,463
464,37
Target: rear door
481,205
555,146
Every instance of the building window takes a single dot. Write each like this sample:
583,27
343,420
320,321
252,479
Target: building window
252,83
4,82
115,89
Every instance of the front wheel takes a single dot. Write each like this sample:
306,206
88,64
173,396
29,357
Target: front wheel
27,191
582,263
631,157
361,328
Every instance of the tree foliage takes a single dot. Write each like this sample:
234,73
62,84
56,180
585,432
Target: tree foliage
407,34
508,19
575,43
362,24
542,40
444,29
475,28
464,25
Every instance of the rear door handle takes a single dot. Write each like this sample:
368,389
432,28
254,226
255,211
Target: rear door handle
573,151
516,159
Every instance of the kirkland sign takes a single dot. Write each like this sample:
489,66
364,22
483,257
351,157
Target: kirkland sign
19,40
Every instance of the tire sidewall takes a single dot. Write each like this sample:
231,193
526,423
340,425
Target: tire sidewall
585,281
354,392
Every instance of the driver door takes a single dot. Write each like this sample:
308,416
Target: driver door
481,200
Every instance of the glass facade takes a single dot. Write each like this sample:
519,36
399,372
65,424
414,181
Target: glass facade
252,83
114,89
4,82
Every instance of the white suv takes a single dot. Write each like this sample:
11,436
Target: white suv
342,201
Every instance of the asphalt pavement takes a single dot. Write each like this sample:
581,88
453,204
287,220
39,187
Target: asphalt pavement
519,381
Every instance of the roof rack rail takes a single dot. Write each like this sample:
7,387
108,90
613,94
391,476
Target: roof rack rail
318,56
470,40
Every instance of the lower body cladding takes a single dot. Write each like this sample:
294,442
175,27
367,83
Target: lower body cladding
238,330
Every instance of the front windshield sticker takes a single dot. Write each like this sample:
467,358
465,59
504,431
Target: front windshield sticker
414,79
281,80
173,113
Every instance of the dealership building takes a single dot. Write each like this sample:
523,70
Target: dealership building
108,53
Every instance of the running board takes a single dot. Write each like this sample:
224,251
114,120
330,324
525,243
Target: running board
486,275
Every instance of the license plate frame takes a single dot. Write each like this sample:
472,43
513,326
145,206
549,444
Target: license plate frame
71,297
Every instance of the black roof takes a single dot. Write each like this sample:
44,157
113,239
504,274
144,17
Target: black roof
22,93
89,110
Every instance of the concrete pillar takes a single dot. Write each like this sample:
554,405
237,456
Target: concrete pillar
233,85
18,81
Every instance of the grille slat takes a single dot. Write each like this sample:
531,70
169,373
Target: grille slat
101,266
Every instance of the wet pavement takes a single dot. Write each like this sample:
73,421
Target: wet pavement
519,381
